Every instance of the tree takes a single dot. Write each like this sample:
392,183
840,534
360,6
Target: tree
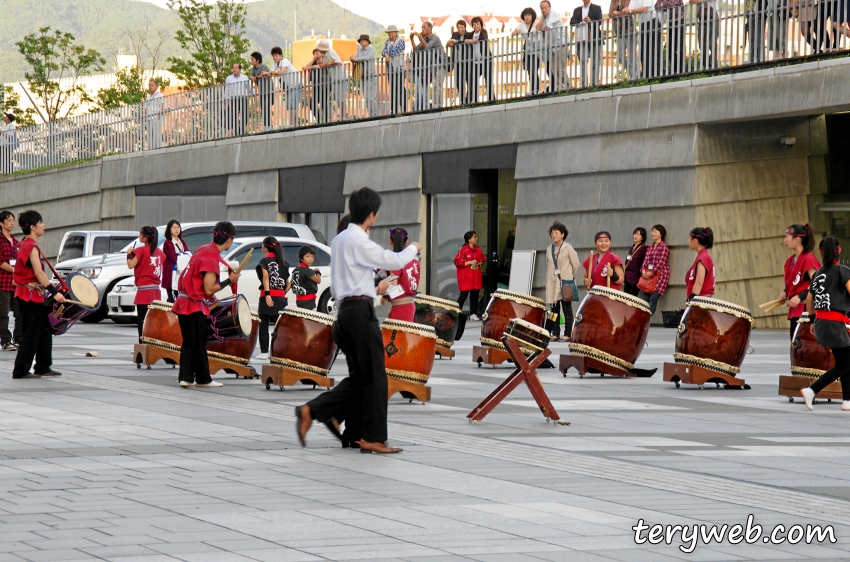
52,55
10,101
129,88
214,36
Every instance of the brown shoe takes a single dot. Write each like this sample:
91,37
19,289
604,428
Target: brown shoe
303,421
378,447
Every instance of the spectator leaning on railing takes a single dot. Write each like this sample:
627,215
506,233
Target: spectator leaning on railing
461,61
626,35
483,60
393,54
291,83
650,36
337,79
318,87
153,115
365,59
587,19
264,87
555,46
237,88
8,143
429,65
531,52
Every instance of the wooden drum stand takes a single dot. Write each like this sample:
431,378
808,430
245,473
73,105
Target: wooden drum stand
684,373
581,364
148,354
281,375
526,372
489,355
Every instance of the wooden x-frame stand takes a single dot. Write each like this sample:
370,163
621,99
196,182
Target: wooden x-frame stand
526,372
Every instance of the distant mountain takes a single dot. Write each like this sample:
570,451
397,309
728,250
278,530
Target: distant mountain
100,24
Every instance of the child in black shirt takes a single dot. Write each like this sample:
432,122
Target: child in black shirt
305,281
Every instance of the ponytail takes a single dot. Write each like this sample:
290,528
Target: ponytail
829,251
398,237
704,236
152,236
806,234
274,247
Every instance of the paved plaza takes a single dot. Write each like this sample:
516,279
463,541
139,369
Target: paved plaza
113,463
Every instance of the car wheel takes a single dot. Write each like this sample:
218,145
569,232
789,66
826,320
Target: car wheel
123,319
326,303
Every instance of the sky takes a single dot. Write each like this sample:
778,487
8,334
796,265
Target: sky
403,12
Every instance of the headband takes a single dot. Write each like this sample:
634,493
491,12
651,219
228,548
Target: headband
399,229
272,245
220,234
602,235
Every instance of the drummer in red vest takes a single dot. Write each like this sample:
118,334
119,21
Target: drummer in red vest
31,284
604,268
146,262
402,292
699,281
800,267
196,289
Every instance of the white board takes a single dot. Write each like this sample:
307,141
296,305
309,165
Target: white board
522,271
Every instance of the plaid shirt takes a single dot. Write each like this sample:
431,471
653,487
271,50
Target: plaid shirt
657,257
8,250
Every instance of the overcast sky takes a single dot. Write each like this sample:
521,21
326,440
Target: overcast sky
406,11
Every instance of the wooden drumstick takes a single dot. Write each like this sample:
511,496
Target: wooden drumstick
773,303
244,261
78,303
777,305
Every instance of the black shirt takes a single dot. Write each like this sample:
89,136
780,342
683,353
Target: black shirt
829,287
301,283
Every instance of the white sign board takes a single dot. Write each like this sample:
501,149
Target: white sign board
522,271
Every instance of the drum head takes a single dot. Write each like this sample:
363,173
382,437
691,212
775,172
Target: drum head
530,327
83,290
243,315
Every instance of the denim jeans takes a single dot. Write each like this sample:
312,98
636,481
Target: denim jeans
652,299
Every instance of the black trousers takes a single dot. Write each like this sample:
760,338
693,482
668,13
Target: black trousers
473,303
194,365
840,371
357,332
141,312
554,326
793,322
8,302
265,322
36,339
630,289
309,305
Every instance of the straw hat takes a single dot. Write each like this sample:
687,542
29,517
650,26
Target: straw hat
323,45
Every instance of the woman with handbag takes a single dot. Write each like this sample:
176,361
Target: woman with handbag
561,266
172,247
634,261
655,273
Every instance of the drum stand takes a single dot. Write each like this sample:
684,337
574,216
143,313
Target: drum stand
526,372
489,355
149,354
683,373
443,351
581,364
791,386
407,389
281,376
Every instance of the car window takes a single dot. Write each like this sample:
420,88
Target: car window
197,237
322,258
118,242
278,231
255,257
250,231
72,248
290,254
100,245
320,237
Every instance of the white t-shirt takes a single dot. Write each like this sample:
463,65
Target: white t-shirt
290,73
237,86
649,14
337,72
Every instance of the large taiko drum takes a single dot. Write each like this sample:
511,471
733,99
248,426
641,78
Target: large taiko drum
714,334
409,350
808,357
303,341
503,307
441,314
162,329
610,327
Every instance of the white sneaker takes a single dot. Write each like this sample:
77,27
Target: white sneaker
808,395
210,384
475,318
186,384
845,406
262,357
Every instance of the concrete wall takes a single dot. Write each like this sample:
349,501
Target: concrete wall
695,152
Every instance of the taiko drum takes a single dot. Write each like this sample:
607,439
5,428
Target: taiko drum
409,350
714,334
440,314
808,357
303,341
503,307
610,327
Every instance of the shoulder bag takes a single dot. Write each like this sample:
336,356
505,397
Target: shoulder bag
568,288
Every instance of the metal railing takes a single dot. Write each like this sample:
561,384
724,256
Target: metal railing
679,39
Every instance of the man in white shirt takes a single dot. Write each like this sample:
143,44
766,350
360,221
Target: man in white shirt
153,115
8,143
237,88
556,50
337,79
651,41
365,57
354,257
291,83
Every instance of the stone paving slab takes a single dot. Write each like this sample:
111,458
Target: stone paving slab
114,463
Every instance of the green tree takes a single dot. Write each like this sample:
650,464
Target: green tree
129,88
52,55
10,101
214,36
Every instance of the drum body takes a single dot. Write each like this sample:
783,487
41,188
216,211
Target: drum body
808,357
161,327
610,327
530,338
440,314
303,340
409,350
714,334
236,350
81,289
505,306
230,320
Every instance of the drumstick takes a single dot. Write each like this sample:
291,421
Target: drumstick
78,303
777,305
771,303
244,261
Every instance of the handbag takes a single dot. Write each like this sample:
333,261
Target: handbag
648,285
568,288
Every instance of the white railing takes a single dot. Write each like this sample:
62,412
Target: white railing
677,40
